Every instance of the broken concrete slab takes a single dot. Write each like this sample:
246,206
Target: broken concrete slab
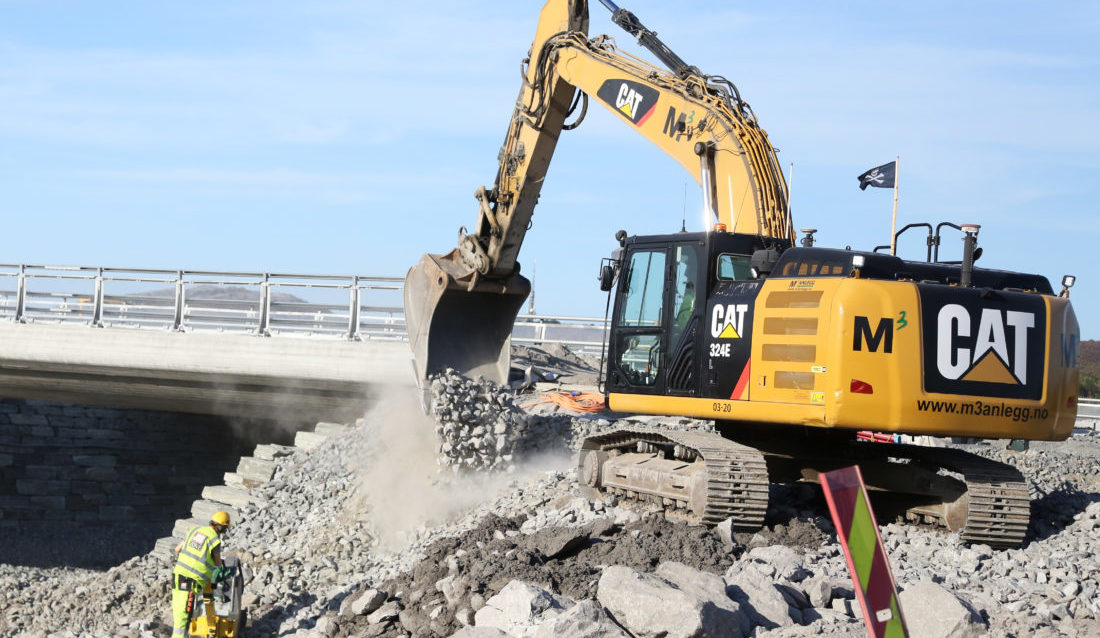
308,440
205,509
256,469
227,495
272,451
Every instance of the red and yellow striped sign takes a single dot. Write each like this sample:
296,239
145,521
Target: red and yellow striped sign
858,533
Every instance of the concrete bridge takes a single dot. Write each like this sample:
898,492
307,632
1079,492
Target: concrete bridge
238,344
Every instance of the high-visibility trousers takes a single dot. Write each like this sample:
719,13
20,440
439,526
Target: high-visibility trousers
180,617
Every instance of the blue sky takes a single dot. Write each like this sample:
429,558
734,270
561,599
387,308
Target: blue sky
348,137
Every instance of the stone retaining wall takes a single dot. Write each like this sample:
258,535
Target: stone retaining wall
80,466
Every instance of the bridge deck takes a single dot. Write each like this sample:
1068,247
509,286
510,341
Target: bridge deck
230,374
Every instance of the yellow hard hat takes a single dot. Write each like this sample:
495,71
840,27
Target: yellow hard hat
220,518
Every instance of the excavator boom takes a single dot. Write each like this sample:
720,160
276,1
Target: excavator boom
460,307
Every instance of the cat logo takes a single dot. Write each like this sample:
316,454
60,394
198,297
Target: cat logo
633,100
728,321
628,101
993,346
992,356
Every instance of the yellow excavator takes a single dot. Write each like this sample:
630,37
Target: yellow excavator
791,349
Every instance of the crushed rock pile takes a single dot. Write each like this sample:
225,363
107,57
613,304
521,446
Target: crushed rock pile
529,554
589,569
480,427
483,426
554,363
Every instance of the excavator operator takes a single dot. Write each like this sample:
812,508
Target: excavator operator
198,563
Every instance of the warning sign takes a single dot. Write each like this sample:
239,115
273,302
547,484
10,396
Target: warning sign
867,563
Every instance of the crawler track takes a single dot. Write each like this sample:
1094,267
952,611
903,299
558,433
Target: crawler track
997,500
736,475
986,501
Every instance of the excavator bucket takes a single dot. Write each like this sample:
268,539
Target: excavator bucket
453,324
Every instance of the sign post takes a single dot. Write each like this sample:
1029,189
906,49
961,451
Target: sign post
858,533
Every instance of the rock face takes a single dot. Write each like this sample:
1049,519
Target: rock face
537,556
83,473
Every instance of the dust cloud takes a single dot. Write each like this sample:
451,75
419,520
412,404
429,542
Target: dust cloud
401,486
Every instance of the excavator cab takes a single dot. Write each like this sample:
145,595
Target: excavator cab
660,309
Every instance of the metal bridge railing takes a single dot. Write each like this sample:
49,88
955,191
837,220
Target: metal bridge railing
266,304
1088,408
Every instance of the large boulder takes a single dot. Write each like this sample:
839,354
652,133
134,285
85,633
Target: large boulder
362,603
709,587
388,611
934,612
777,561
724,531
647,605
758,595
818,590
586,619
519,607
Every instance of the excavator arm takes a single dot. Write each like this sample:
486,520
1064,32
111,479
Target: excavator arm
460,307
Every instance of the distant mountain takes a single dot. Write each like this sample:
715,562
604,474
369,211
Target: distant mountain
222,293
1088,363
1088,358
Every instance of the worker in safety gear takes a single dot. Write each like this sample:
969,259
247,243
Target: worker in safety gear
198,563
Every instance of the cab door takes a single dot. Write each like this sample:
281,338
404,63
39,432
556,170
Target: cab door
655,326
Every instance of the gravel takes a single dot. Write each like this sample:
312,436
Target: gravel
480,427
364,536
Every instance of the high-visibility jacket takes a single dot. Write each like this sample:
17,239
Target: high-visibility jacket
196,559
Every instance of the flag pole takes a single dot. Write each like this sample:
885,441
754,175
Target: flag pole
894,223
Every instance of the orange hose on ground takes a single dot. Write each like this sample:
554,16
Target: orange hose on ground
575,401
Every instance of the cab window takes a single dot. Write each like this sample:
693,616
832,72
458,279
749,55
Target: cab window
641,310
684,274
734,267
645,287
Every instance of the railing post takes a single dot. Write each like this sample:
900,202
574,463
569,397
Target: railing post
21,295
353,310
263,329
97,302
177,314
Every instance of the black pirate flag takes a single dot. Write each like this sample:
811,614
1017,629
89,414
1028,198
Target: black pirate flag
879,176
